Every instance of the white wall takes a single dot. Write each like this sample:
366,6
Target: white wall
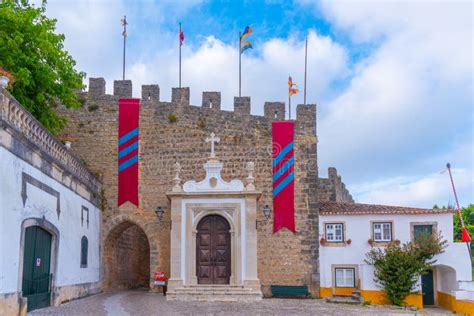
358,229
39,204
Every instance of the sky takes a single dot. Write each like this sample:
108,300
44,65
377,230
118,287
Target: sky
392,80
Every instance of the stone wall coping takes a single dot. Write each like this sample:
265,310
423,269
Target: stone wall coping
16,117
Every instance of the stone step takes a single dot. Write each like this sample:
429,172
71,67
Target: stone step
346,299
222,293
210,289
212,293
214,297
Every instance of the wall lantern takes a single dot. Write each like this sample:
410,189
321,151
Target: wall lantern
266,212
159,213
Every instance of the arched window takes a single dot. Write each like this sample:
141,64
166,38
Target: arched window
84,250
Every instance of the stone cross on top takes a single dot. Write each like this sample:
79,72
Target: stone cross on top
213,139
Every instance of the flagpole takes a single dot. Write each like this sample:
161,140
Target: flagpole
468,244
179,54
124,23
240,65
289,104
305,67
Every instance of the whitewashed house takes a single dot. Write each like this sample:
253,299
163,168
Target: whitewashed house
49,217
348,231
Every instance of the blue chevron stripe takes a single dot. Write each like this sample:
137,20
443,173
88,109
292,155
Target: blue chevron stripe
282,185
125,151
282,153
284,168
122,140
128,163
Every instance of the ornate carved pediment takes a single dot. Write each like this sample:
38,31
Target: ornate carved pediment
213,181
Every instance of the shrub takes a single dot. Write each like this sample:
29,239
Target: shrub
201,123
93,107
172,118
398,267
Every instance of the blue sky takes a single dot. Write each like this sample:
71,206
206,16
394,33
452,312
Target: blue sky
392,79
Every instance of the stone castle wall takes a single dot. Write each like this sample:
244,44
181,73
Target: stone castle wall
333,189
175,131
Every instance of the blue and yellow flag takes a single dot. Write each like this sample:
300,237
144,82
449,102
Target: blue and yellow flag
247,44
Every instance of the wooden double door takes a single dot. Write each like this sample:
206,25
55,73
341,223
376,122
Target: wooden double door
213,250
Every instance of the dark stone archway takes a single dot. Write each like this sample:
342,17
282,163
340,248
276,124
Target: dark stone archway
127,257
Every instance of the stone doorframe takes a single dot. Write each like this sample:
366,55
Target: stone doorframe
231,213
53,267
239,209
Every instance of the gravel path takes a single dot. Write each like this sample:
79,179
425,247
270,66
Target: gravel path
146,303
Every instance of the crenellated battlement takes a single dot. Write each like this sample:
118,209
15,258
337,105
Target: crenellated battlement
333,189
211,100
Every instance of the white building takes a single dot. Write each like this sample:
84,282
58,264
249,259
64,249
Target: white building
49,217
348,231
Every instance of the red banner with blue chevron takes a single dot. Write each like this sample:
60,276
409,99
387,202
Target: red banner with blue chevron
283,175
129,111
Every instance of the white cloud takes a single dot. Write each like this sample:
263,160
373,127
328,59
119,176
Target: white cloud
423,192
92,29
410,99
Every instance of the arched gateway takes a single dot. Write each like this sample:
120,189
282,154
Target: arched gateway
126,257
214,237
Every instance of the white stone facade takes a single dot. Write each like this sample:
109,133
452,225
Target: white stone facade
39,204
238,206
43,185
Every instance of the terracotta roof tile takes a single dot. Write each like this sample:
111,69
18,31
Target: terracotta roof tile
333,208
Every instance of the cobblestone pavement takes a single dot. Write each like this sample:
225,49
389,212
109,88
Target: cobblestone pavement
146,303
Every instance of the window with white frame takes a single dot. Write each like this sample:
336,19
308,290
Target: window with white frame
345,277
335,232
382,232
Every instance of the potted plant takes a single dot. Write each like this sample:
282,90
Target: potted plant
396,242
67,141
370,241
6,78
349,241
322,240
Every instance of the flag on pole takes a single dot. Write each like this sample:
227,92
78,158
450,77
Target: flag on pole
181,37
244,45
129,110
181,40
292,88
283,175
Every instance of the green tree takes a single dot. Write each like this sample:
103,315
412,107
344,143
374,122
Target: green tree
468,216
398,267
35,55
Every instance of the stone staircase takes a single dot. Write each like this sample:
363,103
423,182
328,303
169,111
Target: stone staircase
354,298
214,293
